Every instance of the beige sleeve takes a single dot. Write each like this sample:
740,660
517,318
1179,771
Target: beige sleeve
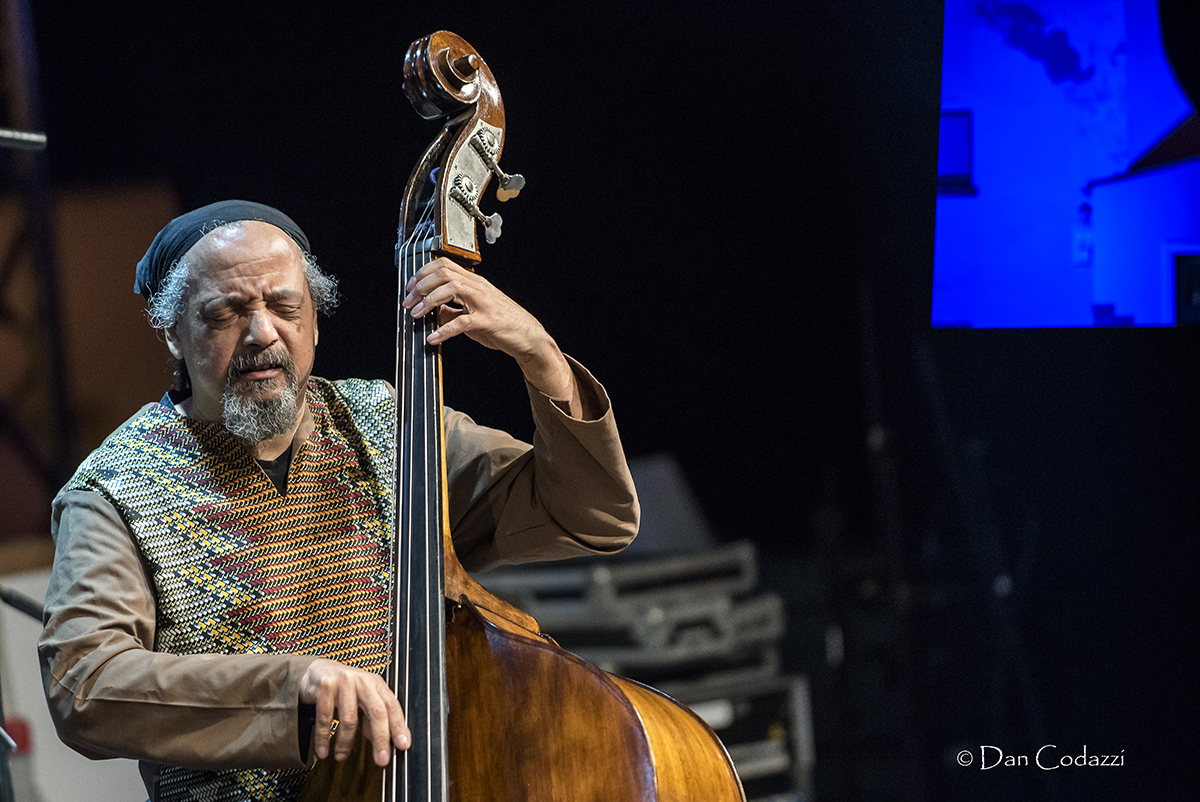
111,695
570,494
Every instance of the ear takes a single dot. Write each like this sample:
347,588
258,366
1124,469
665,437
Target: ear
316,330
173,343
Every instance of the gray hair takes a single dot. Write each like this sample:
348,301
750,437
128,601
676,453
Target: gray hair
167,305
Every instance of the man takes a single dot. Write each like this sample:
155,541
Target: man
219,590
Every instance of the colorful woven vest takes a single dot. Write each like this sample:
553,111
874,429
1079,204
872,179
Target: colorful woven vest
239,569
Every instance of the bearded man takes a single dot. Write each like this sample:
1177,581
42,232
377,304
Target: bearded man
219,592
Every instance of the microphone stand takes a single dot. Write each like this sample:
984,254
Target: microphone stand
31,608
22,140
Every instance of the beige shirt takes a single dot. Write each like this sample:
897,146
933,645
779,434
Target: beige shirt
112,695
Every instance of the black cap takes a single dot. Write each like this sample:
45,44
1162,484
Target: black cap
186,230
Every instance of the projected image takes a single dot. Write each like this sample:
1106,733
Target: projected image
1068,169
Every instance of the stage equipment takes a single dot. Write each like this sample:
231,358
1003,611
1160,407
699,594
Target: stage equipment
693,625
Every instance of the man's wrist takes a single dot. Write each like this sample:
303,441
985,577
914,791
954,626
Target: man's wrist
549,371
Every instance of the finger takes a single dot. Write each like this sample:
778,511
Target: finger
417,294
375,726
347,718
325,705
449,292
453,328
426,270
438,270
401,736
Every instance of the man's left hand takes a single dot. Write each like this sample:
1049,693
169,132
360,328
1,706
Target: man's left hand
470,305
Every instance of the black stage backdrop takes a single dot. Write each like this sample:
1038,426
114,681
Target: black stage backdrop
714,189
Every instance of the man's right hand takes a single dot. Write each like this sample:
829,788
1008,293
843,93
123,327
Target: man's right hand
351,695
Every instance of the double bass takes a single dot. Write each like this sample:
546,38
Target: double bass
497,710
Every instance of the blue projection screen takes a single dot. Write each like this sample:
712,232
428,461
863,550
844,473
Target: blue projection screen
1068,194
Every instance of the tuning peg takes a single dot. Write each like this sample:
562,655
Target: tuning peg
484,143
491,228
463,191
510,185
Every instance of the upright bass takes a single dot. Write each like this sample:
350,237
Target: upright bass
498,711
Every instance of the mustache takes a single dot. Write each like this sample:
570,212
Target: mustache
271,358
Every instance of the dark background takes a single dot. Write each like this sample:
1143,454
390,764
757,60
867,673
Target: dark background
729,219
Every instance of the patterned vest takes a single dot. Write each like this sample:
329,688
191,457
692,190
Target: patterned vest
239,569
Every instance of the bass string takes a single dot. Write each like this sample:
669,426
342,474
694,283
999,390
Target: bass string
425,369
401,547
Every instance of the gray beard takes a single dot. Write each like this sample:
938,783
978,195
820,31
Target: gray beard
256,421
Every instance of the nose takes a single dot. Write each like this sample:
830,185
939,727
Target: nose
261,332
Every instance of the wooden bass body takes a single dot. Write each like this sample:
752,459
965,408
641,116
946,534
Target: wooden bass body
531,722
